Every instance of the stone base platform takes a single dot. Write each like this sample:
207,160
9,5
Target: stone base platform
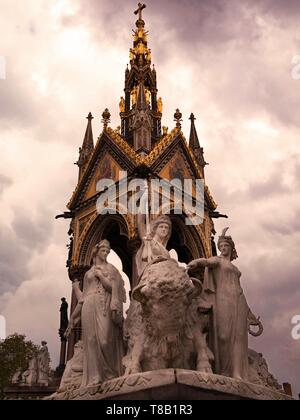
28,392
173,384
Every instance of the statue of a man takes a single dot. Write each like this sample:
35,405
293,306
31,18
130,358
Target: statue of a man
231,315
100,308
64,321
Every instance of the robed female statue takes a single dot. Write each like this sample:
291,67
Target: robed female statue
231,315
100,308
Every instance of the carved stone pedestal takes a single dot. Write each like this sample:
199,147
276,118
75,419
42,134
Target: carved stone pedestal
173,384
28,392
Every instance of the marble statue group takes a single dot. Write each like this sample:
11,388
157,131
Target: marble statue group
175,320
38,370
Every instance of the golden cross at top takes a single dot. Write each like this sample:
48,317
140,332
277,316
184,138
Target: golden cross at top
141,7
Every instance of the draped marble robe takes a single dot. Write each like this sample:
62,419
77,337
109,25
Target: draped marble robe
222,293
149,252
102,336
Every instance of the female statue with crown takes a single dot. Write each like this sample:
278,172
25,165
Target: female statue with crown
231,315
100,308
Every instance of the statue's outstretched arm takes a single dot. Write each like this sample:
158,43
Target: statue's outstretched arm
202,263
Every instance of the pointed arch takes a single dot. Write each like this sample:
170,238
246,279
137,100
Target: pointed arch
115,229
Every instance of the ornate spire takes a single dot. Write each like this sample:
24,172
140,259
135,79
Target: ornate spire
140,72
87,149
195,144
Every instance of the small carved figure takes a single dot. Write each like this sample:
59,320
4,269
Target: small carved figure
122,105
30,376
134,96
72,377
148,96
160,105
17,378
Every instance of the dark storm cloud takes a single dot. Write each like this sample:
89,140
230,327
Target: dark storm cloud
13,261
5,182
18,244
220,37
192,20
211,23
289,227
277,299
267,189
33,232
280,9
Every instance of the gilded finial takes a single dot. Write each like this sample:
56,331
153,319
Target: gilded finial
192,118
178,118
90,117
106,118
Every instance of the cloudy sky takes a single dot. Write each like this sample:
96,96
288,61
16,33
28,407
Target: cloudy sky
228,62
